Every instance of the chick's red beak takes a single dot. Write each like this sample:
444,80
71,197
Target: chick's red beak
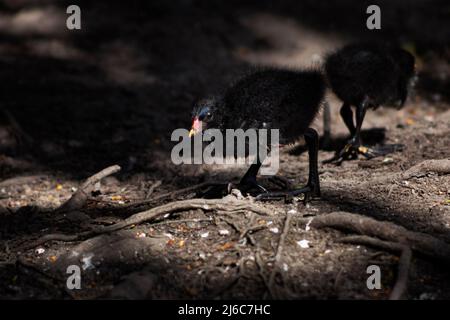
196,127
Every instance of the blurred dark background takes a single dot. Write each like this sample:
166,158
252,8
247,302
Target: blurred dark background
112,92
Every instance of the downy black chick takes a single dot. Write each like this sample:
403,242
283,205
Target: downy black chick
366,76
287,100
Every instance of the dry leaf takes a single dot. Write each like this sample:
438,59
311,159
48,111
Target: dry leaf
410,121
226,245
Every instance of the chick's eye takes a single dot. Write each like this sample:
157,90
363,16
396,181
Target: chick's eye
205,116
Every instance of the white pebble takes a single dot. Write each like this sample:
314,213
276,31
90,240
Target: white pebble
168,235
303,243
274,230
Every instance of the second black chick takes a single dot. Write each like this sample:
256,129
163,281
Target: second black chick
367,76
287,100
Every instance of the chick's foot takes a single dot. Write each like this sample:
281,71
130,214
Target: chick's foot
351,152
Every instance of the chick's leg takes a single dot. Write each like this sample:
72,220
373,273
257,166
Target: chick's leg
248,181
347,115
354,146
312,188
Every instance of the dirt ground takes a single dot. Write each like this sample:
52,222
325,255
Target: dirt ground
76,102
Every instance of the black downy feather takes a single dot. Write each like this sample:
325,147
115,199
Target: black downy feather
287,100
380,72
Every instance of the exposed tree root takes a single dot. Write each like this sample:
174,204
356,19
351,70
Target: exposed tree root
374,242
227,204
402,276
79,198
441,167
420,242
403,266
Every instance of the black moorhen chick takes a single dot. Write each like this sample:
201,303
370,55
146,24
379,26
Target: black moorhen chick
287,100
367,76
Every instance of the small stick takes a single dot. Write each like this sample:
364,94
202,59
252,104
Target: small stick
152,188
279,252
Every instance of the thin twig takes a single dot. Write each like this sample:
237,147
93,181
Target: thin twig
279,252
152,188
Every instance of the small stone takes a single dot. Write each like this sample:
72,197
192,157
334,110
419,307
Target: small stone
274,230
303,243
224,232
